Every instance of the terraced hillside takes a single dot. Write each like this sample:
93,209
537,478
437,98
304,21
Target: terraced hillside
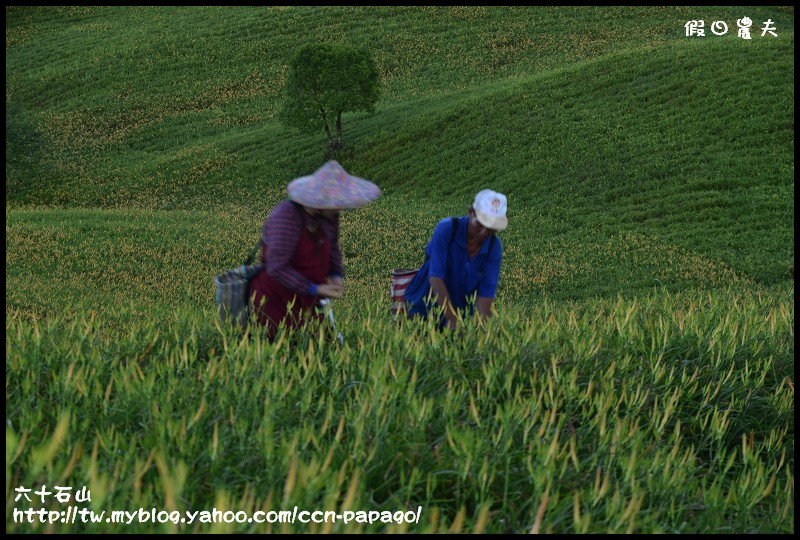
650,179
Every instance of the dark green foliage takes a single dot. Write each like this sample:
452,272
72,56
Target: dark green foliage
23,149
326,81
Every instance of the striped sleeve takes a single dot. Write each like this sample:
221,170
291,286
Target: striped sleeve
280,235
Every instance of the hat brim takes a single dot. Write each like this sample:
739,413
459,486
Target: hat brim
310,191
489,221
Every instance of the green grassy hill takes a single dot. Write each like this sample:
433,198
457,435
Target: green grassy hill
645,170
635,163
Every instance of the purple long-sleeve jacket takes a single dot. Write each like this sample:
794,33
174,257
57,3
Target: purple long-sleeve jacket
279,237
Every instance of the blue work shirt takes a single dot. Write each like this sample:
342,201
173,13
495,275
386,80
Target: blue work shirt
462,276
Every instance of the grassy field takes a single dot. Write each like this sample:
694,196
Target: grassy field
638,376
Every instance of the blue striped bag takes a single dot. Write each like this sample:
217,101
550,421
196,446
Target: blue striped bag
233,291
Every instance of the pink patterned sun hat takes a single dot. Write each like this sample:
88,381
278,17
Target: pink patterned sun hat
330,187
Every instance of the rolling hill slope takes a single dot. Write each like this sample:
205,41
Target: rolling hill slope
638,162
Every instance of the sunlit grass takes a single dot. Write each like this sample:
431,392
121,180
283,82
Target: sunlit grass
670,413
637,378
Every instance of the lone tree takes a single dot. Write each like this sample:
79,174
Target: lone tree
325,81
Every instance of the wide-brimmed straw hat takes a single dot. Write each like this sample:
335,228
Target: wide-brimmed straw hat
490,208
330,187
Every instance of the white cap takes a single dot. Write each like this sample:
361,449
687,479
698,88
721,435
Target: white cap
490,207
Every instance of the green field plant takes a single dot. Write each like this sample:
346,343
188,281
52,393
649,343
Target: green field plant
669,413
637,376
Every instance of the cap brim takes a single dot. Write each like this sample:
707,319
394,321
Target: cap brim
489,221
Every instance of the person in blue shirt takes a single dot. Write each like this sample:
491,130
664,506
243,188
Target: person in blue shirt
462,262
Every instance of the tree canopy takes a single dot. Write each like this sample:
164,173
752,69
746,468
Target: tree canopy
325,81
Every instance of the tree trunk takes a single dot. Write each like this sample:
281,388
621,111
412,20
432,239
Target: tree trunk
327,127
339,138
336,144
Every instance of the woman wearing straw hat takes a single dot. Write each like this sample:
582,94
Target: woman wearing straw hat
300,241
462,262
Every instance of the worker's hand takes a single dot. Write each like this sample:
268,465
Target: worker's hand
327,290
336,281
